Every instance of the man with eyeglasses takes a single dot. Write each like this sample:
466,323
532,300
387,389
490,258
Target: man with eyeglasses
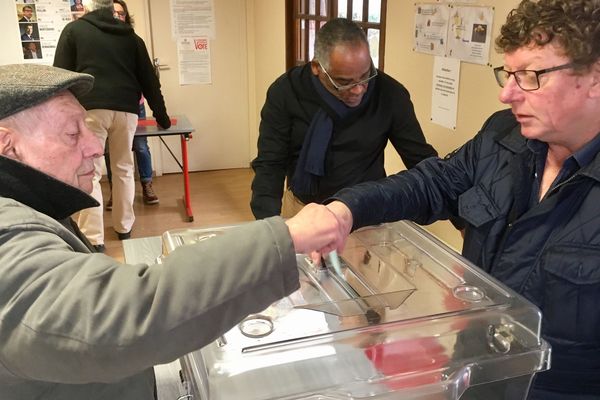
325,125
528,188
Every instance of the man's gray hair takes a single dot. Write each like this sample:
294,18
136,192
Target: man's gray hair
335,32
92,5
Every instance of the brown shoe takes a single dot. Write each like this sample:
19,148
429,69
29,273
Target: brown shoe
149,196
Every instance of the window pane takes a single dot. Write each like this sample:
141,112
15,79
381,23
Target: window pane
311,39
373,38
300,53
311,15
357,10
374,10
324,8
342,8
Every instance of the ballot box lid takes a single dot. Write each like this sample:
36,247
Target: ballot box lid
404,317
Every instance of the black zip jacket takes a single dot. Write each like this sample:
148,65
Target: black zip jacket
356,150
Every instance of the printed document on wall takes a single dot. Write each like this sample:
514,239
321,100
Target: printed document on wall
444,102
40,24
470,33
194,60
192,18
431,28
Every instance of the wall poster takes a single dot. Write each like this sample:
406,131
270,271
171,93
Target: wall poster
458,31
470,33
431,28
444,97
40,23
194,60
192,18
192,27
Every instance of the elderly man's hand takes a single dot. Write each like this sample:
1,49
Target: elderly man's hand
316,228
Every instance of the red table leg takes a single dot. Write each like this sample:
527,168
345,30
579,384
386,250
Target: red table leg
186,179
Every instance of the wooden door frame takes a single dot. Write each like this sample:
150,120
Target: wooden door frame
291,21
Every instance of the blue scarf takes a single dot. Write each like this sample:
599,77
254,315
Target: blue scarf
311,162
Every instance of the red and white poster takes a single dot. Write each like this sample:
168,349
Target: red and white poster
194,60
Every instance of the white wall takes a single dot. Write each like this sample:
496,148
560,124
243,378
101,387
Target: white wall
478,91
266,56
219,110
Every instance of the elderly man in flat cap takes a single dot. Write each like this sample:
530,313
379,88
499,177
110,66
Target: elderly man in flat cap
79,325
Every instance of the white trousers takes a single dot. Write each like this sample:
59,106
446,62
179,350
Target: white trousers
118,128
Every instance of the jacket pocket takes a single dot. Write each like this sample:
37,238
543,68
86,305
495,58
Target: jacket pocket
477,207
571,287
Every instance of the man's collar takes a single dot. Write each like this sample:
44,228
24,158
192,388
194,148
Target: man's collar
41,192
514,141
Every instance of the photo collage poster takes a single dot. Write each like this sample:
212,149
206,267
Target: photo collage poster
40,23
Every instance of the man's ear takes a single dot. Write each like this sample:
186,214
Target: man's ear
7,142
314,67
595,87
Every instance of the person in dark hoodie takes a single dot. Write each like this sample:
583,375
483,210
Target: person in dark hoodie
110,51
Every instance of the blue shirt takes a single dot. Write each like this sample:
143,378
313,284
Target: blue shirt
572,164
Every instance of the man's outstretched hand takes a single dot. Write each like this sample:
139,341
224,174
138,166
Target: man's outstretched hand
319,229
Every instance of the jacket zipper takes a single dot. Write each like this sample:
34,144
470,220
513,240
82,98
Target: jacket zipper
555,188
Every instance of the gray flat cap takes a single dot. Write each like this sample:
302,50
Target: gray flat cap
23,86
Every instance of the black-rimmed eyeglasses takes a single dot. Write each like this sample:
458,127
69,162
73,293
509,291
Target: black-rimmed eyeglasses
349,86
527,79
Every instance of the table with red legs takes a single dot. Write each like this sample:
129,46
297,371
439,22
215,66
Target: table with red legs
181,126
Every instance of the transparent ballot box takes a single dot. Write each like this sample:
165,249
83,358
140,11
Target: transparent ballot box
407,318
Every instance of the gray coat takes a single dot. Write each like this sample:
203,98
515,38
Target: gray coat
75,325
